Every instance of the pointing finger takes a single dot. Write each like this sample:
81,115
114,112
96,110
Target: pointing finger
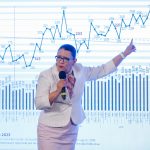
131,41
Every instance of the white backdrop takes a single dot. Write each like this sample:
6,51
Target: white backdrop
117,107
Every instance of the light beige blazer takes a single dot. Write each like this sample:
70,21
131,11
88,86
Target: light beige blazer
61,111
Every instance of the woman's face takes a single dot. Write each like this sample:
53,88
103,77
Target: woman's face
64,60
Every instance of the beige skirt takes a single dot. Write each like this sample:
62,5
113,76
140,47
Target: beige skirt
57,138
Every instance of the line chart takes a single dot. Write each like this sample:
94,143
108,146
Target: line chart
61,31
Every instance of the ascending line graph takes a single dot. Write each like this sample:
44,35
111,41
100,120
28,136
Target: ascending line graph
61,30
116,106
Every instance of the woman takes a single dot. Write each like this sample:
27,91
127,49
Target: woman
62,110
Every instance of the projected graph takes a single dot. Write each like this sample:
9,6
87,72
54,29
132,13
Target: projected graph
94,27
116,105
119,92
96,33
58,31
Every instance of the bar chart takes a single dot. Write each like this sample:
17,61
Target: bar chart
117,92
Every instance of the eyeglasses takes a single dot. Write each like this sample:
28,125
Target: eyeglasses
64,59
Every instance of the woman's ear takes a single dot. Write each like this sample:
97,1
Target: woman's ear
75,60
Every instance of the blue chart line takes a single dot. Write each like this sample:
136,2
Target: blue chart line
58,30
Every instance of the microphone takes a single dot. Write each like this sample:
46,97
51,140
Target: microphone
62,75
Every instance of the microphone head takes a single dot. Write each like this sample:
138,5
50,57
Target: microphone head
62,75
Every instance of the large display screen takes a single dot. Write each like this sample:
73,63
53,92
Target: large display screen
117,106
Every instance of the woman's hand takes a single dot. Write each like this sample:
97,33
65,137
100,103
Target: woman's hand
130,48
